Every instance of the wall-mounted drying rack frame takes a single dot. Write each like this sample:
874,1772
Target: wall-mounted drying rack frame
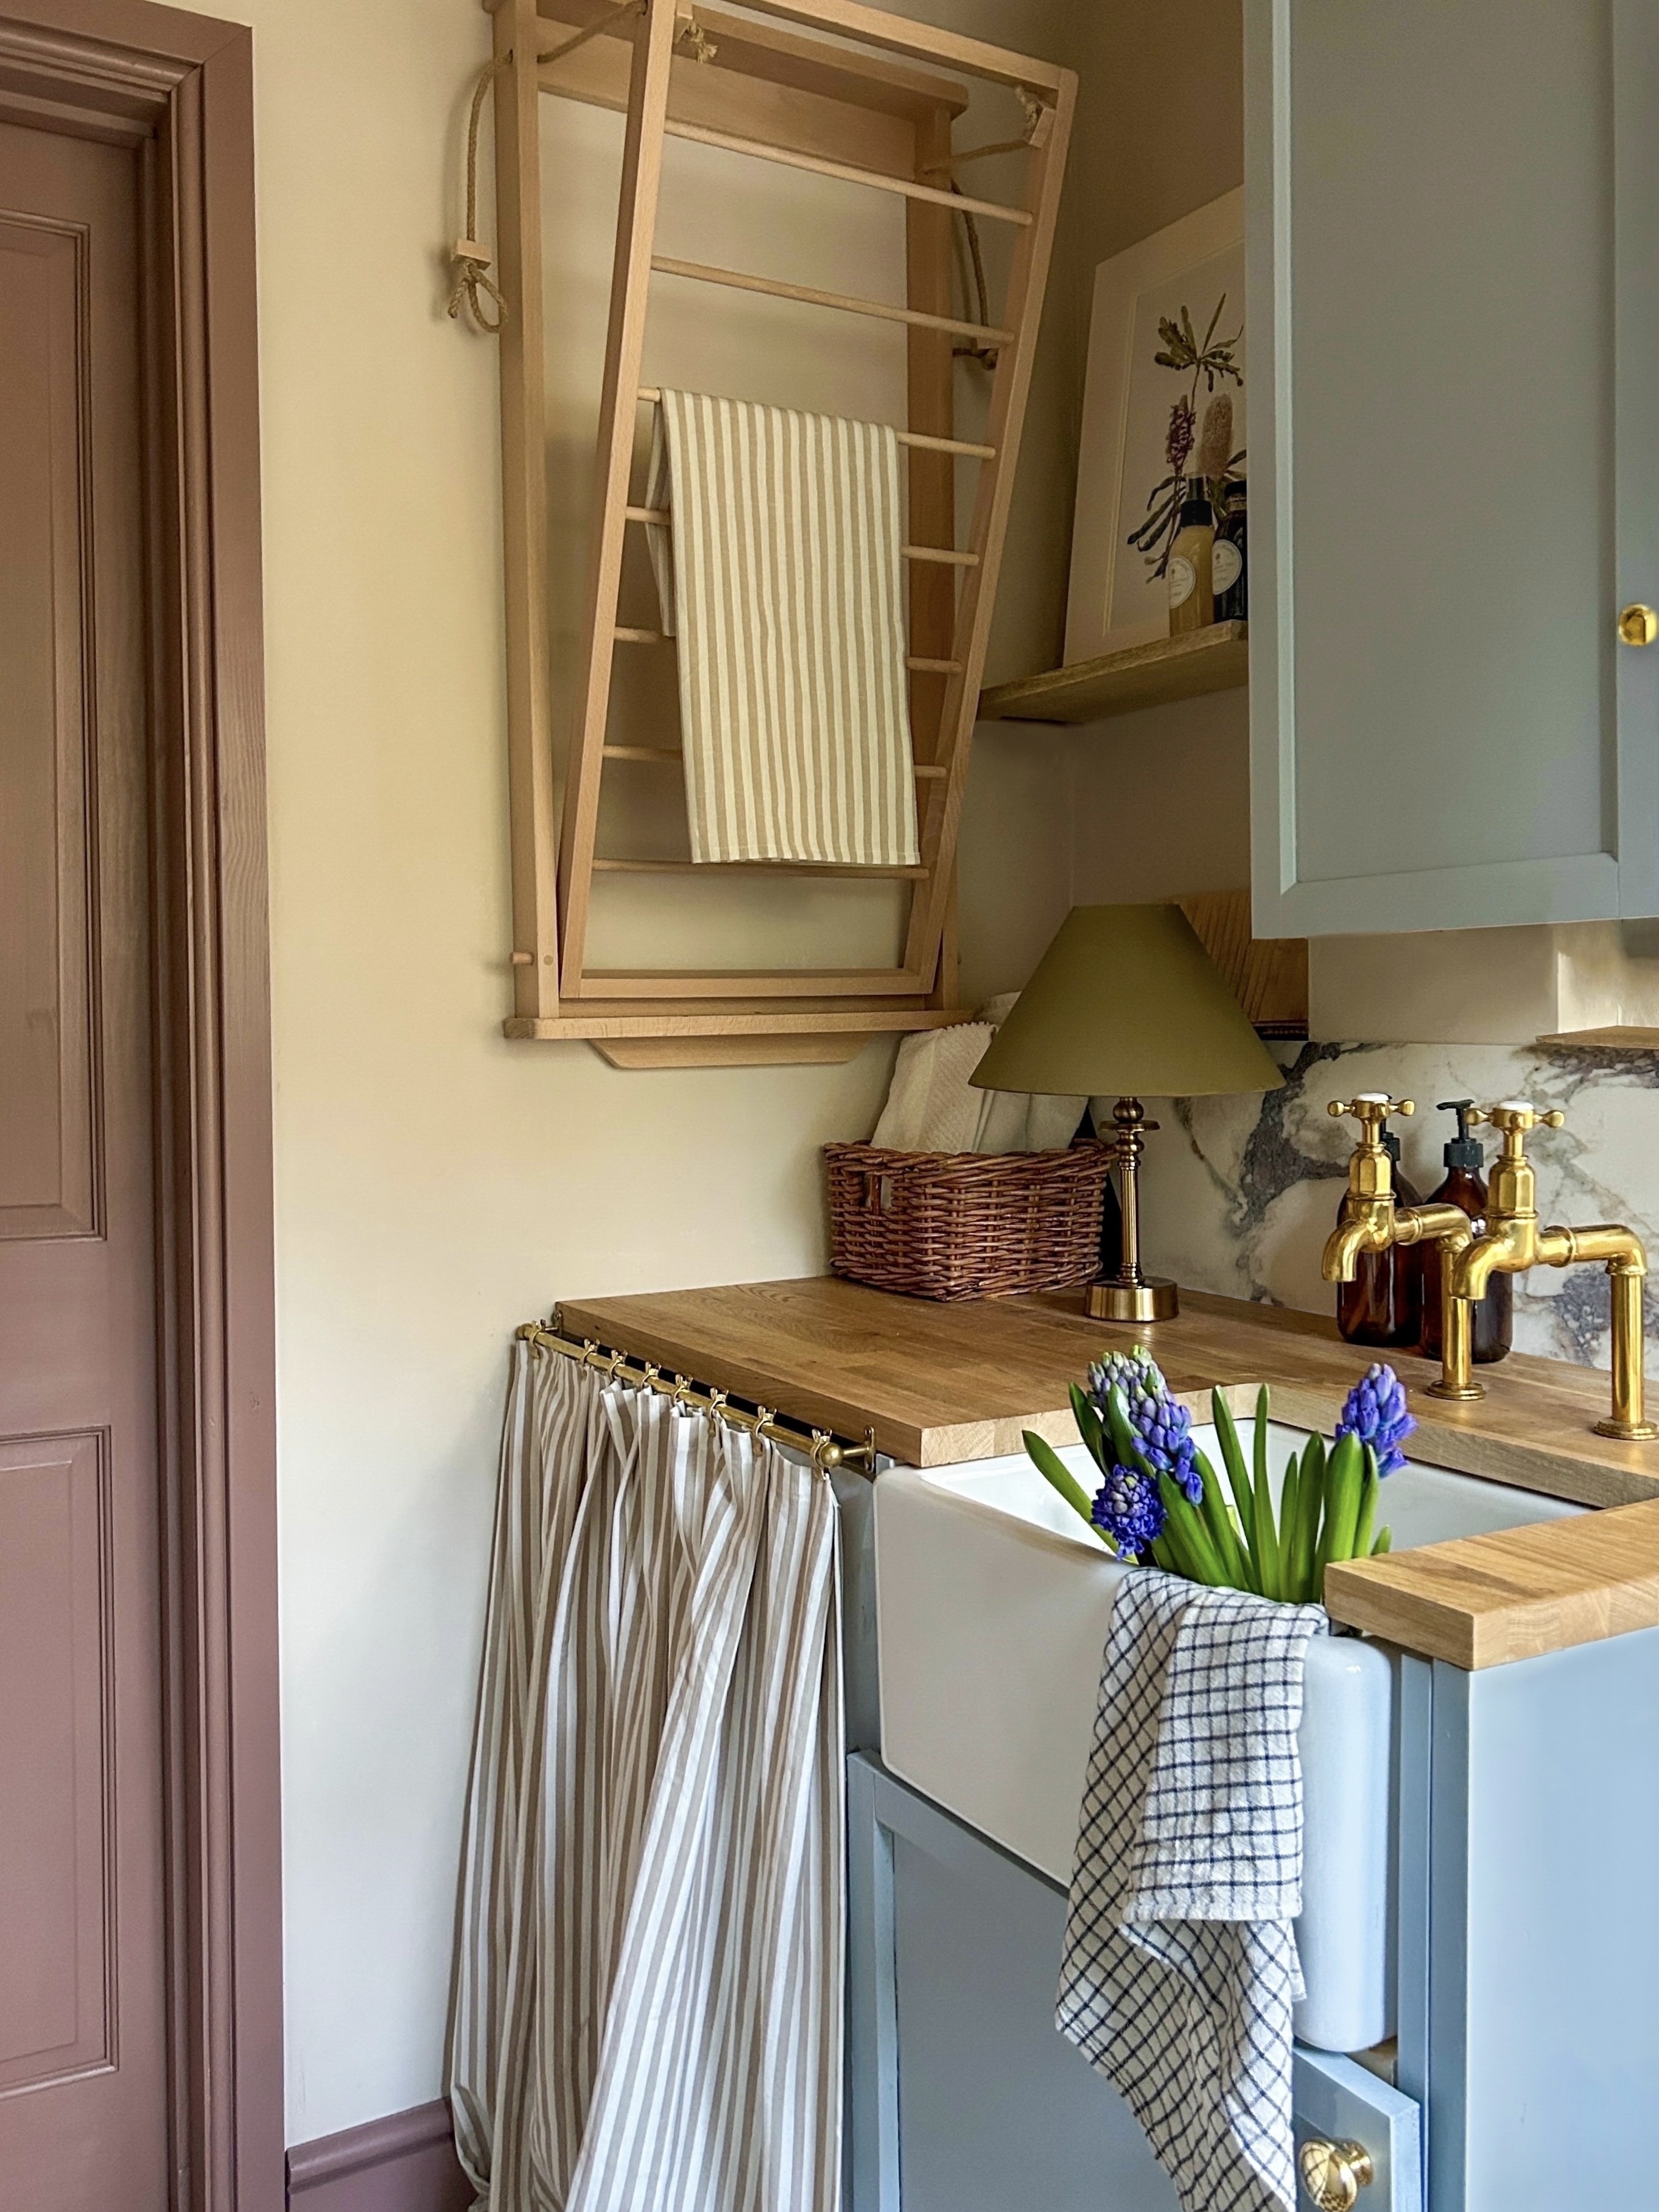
867,110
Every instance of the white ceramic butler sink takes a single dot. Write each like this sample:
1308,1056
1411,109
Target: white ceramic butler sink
993,1603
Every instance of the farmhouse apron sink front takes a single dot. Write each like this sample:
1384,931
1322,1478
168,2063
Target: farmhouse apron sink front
993,1605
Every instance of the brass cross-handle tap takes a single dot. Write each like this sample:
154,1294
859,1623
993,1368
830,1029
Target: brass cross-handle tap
1510,1182
1514,1240
1371,1109
1372,1220
1513,1118
1333,2173
1370,1171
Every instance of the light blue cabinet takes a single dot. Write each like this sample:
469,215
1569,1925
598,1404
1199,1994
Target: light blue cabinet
963,2097
1526,1951
1539,2053
1453,211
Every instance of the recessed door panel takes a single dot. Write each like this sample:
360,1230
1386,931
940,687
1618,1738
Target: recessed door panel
56,1960
47,1163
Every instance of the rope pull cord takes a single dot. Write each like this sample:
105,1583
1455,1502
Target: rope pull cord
470,284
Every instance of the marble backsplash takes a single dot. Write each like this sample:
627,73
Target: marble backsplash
1239,1194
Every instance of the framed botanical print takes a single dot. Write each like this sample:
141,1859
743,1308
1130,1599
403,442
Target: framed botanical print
1164,405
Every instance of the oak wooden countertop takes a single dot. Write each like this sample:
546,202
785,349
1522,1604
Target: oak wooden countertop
939,1384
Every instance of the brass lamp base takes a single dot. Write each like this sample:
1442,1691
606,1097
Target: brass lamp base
1154,1297
1631,1432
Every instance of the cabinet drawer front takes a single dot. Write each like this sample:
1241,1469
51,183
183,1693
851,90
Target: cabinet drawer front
1339,2101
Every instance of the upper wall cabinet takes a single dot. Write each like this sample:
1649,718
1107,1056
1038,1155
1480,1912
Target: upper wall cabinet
1453,298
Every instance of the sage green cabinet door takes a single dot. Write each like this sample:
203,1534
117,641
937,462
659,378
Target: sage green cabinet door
1454,236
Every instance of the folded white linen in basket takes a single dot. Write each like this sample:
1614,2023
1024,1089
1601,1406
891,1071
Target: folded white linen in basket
1023,1121
1180,1968
931,1107
781,575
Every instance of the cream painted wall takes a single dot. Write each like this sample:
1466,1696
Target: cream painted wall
1485,986
1161,799
436,1185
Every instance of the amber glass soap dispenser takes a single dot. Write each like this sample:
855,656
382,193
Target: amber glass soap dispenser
1493,1320
1383,1305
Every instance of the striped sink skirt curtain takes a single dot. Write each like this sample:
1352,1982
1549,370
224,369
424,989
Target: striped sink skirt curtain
646,2008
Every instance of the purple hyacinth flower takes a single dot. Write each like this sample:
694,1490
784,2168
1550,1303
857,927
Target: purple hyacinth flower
1375,1413
1162,1429
1129,1510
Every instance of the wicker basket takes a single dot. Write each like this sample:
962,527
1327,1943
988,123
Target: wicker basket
966,1224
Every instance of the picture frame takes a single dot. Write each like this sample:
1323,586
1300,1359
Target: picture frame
1116,598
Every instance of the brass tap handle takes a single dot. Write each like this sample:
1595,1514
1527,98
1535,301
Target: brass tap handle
1333,2173
1518,1114
1513,1118
1371,1109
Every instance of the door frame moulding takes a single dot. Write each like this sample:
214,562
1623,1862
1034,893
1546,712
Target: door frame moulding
179,88
838,109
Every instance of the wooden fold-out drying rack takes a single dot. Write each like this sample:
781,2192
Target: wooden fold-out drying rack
844,97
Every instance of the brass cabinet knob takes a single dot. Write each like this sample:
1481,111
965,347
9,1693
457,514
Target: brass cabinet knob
1639,624
1333,2173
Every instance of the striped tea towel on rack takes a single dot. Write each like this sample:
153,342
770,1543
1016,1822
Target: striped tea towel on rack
1180,1967
784,585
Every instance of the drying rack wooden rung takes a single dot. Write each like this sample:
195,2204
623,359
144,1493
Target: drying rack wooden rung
856,95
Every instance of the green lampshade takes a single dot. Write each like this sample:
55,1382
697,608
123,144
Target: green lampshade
1127,1003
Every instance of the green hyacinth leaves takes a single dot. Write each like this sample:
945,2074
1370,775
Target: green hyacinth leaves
1162,1499
1055,1472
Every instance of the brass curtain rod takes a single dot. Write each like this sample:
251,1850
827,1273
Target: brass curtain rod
824,1449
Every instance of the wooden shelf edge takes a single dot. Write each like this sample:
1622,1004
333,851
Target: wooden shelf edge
592,1022
1623,1036
1205,661
676,1038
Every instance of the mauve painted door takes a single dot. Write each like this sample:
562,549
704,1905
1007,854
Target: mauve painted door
83,2074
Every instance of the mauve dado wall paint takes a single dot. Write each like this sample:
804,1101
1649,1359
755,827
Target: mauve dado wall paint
436,1185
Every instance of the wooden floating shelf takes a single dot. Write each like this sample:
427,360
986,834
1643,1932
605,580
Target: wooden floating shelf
672,1035
1622,1036
1213,660
850,872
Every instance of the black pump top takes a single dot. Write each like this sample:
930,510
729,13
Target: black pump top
1464,1151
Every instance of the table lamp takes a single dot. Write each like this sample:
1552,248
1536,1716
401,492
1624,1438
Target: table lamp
1126,1002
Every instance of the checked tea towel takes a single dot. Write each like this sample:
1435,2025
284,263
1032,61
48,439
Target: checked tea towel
1180,1967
